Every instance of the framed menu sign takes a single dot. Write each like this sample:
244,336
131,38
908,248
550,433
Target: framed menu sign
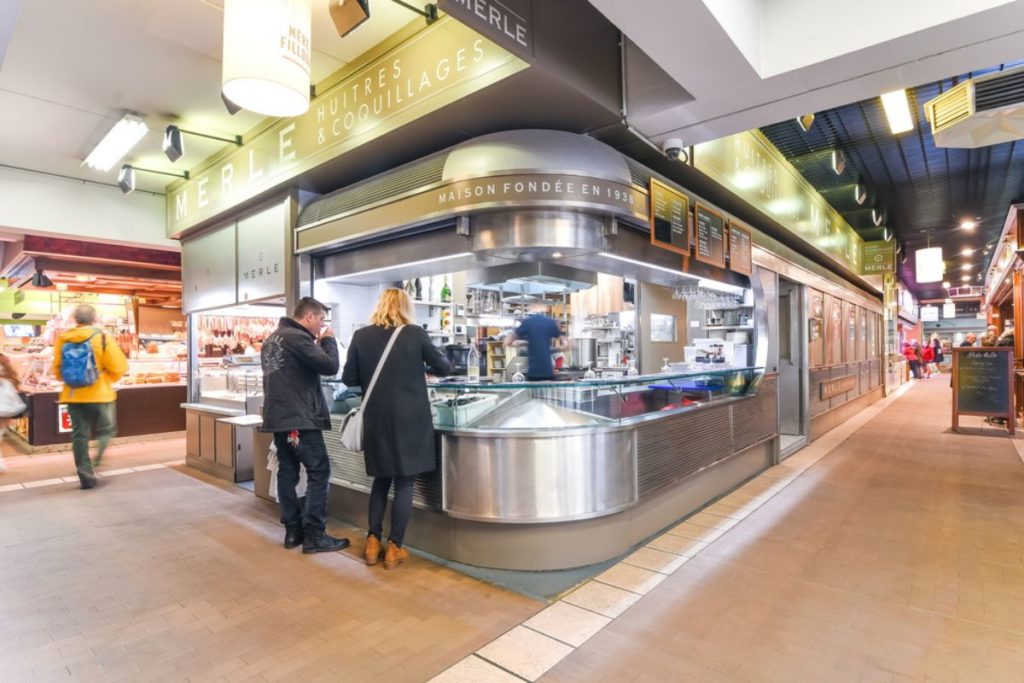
670,211
710,234
983,383
740,259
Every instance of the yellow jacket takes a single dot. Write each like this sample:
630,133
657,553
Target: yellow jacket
110,362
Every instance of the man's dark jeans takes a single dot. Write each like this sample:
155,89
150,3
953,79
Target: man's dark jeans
312,453
86,419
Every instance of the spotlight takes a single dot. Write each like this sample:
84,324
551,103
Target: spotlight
877,217
805,122
174,145
40,280
126,178
838,161
229,105
348,15
17,315
946,284
860,193
968,224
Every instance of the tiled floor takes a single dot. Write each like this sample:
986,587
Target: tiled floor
888,550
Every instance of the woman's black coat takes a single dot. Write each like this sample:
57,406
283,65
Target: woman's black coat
398,431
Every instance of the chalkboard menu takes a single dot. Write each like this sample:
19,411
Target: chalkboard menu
982,380
710,233
670,211
740,259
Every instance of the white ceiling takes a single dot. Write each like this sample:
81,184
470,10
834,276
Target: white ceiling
747,66
72,69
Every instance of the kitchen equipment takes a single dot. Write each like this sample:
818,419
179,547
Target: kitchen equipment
458,355
516,364
584,351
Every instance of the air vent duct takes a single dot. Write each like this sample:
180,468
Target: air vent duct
980,112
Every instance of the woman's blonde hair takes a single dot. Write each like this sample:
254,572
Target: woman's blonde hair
394,308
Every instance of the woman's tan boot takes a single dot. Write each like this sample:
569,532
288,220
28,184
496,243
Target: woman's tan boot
395,555
372,552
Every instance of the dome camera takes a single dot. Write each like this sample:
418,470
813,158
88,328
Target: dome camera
673,148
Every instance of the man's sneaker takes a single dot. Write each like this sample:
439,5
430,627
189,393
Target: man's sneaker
323,544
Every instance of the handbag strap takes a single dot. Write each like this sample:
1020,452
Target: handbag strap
380,364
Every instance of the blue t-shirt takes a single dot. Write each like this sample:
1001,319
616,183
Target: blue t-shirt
538,331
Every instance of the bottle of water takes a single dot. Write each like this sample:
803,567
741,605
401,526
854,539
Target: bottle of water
473,364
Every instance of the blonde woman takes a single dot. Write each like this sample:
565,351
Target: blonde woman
398,431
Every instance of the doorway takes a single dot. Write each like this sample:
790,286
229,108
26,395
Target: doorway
793,377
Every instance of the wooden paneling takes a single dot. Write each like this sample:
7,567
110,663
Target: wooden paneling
207,437
224,447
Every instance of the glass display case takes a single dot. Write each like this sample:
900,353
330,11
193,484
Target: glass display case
230,381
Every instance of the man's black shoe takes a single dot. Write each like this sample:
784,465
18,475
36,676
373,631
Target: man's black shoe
293,538
323,544
90,483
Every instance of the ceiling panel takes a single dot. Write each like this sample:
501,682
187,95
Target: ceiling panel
924,190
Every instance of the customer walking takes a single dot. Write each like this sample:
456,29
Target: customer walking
294,358
928,361
89,363
937,351
398,430
911,354
11,404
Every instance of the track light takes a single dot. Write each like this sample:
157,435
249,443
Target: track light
877,217
229,105
805,122
887,234
860,193
838,161
40,280
174,145
126,178
348,15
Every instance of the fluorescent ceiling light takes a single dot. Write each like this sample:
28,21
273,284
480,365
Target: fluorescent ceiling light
401,266
897,110
702,281
125,134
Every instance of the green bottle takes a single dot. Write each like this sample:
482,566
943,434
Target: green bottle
446,292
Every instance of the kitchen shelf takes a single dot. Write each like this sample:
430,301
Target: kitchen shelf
439,304
728,327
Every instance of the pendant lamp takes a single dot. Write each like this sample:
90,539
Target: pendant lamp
929,265
267,55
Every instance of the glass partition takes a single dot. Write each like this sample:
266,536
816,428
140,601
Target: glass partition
552,406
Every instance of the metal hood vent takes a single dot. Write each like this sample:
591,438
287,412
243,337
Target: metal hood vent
979,112
530,281
538,235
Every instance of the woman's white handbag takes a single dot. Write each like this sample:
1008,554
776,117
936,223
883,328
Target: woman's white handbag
352,425
11,403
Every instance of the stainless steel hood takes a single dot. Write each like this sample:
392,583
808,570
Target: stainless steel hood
538,235
530,281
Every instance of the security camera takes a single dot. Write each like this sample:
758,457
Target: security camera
673,148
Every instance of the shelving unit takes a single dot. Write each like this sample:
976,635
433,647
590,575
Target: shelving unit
495,352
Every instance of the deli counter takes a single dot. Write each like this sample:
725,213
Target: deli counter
549,475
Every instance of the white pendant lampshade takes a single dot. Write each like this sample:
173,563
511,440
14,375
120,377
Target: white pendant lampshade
267,55
929,266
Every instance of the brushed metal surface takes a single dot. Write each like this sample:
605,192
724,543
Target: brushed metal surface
529,235
533,478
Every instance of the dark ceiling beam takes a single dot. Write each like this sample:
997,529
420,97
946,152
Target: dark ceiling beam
45,263
101,251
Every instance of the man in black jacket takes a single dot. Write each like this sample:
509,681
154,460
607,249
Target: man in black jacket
294,358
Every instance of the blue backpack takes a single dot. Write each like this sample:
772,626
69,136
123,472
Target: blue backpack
78,362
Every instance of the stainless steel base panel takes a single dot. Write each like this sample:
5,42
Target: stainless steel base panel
562,545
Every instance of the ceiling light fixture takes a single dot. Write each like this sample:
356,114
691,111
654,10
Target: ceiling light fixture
125,134
40,280
266,60
805,122
968,224
877,217
929,265
126,177
947,284
174,145
229,105
348,15
966,266
965,278
860,193
897,111
887,234
966,251
838,161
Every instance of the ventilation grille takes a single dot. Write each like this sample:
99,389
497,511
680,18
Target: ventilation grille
380,188
676,447
999,91
950,107
756,419
640,175
348,469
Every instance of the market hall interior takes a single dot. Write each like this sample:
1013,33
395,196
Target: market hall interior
778,264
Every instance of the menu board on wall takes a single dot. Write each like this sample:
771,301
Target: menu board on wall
670,211
710,236
740,259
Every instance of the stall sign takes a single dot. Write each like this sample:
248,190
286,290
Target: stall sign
929,314
430,69
749,165
509,23
740,251
834,387
878,257
63,418
261,254
669,218
710,236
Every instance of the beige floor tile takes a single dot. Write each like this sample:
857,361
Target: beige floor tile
525,652
43,482
602,598
697,532
472,669
570,624
147,468
115,473
634,579
680,545
656,560
11,487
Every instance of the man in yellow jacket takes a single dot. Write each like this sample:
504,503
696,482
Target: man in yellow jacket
92,408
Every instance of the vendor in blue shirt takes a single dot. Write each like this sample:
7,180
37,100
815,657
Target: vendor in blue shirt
537,330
